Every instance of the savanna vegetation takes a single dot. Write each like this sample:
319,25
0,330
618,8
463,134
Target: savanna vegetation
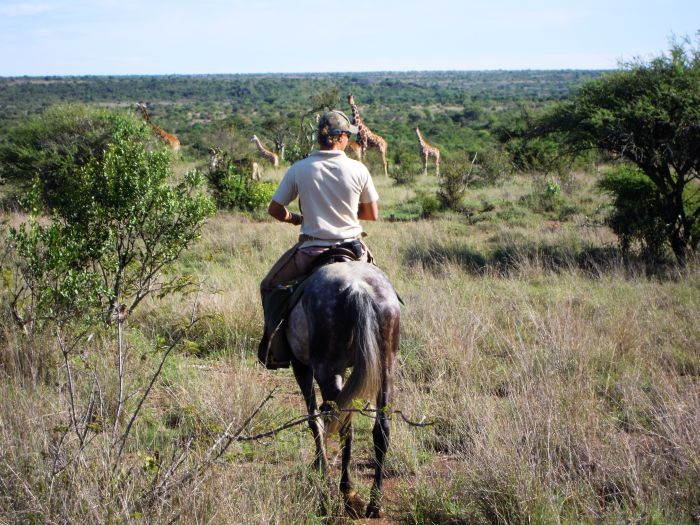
549,334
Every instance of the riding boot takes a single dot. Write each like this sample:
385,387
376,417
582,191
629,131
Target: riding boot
275,353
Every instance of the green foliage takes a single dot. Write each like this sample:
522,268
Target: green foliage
238,191
109,248
55,144
54,280
547,199
529,152
403,175
454,178
457,110
429,204
648,114
635,217
493,166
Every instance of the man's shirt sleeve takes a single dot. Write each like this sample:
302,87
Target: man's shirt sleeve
369,193
287,190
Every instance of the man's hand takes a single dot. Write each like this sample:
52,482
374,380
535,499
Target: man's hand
282,214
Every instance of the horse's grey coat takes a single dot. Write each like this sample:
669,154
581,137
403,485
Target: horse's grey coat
348,317
321,295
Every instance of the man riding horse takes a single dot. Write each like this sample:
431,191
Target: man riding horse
334,193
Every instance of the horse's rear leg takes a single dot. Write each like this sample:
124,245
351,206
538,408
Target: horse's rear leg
353,503
380,432
305,379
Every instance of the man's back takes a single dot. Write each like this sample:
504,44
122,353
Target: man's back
330,187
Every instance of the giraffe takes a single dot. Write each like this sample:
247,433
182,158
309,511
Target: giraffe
269,155
355,150
426,151
365,137
170,139
220,160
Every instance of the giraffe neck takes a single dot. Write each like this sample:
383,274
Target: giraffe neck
363,132
265,152
425,146
269,155
172,140
357,119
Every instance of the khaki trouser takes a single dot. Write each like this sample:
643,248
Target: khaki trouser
294,263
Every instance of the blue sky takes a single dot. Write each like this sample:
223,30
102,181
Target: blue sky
77,37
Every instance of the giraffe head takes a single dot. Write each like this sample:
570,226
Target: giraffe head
351,100
141,108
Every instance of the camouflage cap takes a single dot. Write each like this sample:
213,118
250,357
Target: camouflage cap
337,122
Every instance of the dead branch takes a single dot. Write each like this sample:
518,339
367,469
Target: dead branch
367,412
168,482
154,377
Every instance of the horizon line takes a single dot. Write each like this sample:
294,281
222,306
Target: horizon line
282,73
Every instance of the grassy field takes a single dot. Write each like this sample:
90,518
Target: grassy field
562,384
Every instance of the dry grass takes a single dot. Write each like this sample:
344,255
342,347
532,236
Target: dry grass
563,389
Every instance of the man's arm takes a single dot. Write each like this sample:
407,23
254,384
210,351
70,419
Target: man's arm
282,214
368,211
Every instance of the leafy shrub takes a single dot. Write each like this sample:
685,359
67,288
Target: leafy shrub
547,199
238,191
402,175
429,204
55,144
494,165
453,183
636,213
120,225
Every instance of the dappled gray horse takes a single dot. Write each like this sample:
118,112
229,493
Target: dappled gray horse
348,317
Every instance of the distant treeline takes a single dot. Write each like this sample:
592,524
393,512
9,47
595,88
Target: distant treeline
456,110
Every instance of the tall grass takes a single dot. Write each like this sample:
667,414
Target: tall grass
562,382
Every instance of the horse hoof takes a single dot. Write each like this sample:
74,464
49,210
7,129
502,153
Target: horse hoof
353,505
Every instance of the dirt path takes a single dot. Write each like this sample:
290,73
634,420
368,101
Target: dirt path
288,394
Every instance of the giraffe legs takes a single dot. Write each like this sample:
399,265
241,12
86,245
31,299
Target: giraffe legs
384,162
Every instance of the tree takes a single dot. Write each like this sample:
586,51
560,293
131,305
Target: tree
647,114
54,145
106,247
279,129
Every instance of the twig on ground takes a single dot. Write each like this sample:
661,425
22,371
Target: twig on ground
367,412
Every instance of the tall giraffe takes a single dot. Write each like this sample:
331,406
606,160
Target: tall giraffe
266,153
427,150
169,138
365,137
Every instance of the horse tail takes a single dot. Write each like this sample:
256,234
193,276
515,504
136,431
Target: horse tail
366,376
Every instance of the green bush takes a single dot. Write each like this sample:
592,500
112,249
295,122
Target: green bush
647,114
493,166
454,178
55,144
547,199
429,204
403,175
636,215
237,191
120,225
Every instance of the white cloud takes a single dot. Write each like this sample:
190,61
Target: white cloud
25,9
